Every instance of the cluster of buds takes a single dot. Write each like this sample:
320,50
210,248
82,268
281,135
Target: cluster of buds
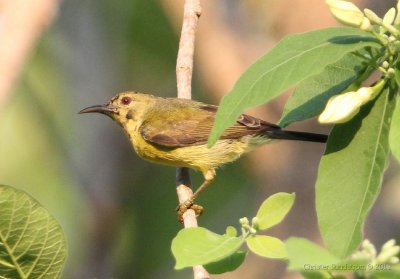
367,251
384,29
341,108
350,15
388,255
246,228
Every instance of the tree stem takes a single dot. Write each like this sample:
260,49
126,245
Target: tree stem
184,70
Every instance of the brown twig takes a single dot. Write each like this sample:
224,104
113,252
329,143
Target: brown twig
184,65
184,69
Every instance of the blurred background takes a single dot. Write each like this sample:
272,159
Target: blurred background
117,211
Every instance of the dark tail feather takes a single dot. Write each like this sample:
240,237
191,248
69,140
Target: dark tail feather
292,135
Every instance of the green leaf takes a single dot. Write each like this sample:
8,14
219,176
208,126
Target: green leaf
266,246
316,275
231,231
274,209
227,264
32,244
199,246
310,97
305,255
350,264
385,274
314,261
350,173
397,74
394,134
295,58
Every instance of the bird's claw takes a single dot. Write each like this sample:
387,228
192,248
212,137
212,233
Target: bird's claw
183,207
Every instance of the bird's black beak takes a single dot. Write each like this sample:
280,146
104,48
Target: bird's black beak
104,109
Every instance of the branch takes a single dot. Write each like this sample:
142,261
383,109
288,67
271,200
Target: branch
184,69
184,65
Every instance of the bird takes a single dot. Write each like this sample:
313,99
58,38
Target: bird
174,132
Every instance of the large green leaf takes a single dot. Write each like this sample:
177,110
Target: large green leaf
316,275
394,135
391,273
311,95
315,262
350,174
194,246
32,243
294,59
305,255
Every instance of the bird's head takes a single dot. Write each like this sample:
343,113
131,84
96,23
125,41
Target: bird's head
124,107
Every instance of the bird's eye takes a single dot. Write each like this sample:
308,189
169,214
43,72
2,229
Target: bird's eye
126,101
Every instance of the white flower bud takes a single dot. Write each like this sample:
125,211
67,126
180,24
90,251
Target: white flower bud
389,16
252,230
397,19
385,255
366,243
365,94
388,244
391,72
385,64
342,108
244,221
345,12
369,248
366,25
372,16
394,260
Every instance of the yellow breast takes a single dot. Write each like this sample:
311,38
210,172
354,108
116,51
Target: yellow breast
198,157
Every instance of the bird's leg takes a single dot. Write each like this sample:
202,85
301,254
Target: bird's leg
189,204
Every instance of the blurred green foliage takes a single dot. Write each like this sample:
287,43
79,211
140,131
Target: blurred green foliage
116,210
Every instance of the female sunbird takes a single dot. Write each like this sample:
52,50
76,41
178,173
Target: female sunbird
174,132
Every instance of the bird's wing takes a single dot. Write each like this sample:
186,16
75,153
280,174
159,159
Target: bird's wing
192,125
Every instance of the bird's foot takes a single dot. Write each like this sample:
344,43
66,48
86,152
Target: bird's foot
183,207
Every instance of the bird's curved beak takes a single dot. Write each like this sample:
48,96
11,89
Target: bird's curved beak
104,109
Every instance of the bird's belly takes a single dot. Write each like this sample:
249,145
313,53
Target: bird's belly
197,157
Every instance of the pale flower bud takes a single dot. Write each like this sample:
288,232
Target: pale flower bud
372,16
366,25
345,12
388,244
394,260
341,108
387,254
385,64
252,230
369,248
397,19
391,72
365,94
389,16
244,221
360,255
